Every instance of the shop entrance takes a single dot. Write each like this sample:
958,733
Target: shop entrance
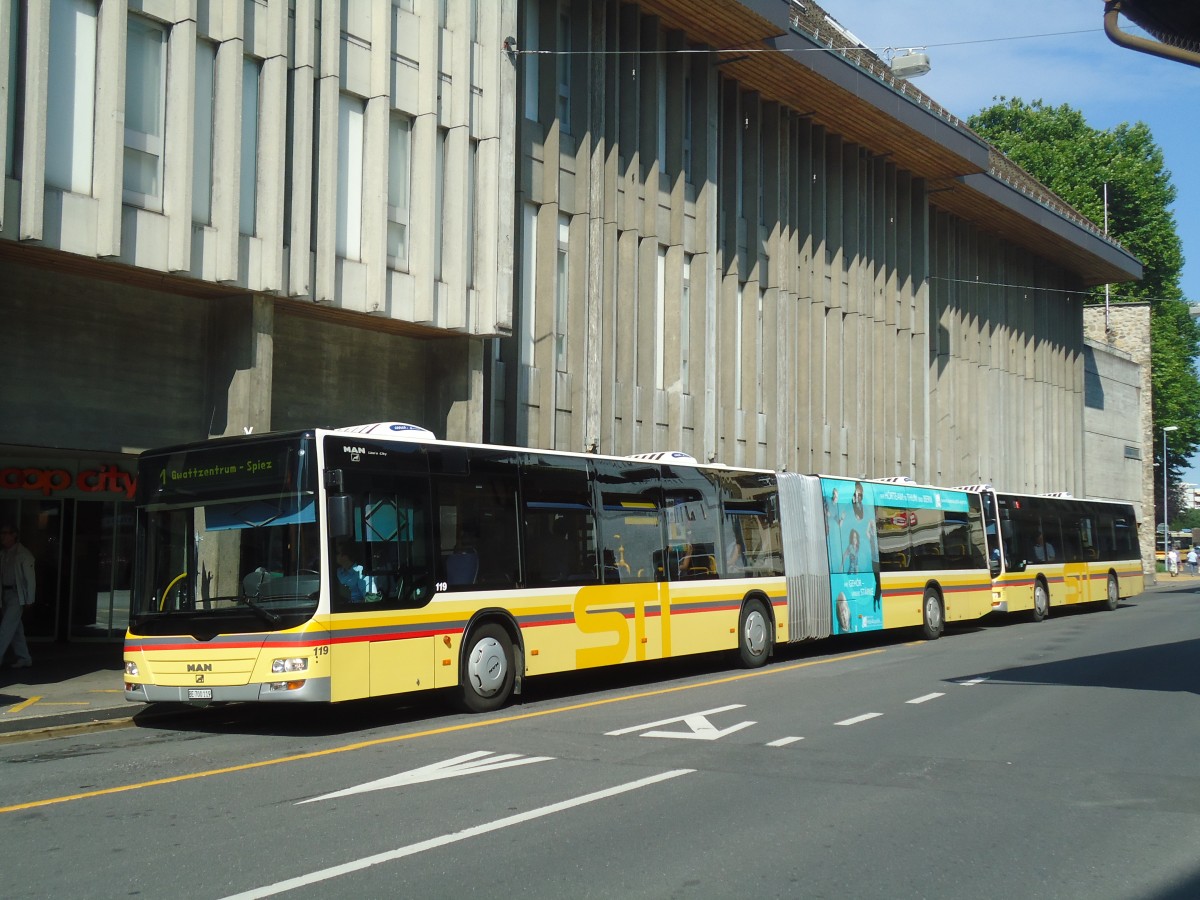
84,555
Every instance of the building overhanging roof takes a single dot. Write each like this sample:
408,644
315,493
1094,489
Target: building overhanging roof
868,106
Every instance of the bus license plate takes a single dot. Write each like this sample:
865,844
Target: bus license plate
199,693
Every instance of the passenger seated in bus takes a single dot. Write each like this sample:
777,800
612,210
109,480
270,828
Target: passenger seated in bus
462,565
1043,550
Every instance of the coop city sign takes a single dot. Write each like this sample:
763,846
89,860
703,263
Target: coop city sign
81,480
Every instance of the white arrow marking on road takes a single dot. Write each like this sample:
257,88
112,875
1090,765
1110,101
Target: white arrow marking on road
701,728
467,764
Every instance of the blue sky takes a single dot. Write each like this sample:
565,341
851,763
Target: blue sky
1070,60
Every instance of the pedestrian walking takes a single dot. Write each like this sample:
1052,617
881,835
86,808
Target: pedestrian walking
1173,562
1192,559
18,583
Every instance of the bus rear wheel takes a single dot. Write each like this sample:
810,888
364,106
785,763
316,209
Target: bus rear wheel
754,635
487,670
932,620
1041,601
1112,599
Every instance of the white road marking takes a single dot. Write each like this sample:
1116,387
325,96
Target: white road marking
933,696
980,680
366,862
648,725
699,728
783,742
864,717
467,764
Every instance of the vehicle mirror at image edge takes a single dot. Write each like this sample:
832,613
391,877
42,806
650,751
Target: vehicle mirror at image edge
341,515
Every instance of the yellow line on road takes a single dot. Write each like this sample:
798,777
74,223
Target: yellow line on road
449,729
21,707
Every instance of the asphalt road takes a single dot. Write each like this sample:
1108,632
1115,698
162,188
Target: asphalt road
1010,759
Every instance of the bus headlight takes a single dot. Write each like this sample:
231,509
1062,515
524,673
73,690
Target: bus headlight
131,668
292,664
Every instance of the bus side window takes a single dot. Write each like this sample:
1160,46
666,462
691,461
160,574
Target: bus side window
630,506
558,527
693,523
750,535
477,518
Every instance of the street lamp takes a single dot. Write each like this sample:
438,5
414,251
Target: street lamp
1166,516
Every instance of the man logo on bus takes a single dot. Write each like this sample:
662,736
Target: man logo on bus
356,453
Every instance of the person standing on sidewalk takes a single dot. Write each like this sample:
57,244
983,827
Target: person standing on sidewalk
18,583
1191,561
1173,562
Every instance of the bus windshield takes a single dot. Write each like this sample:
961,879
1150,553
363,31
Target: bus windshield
229,540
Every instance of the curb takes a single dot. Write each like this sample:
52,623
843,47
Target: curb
67,724
33,729
45,732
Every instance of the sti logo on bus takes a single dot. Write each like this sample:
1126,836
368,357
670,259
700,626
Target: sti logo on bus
199,667
356,453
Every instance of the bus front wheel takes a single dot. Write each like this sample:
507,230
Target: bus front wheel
1041,601
487,676
932,621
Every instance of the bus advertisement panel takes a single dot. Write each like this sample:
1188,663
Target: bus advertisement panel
885,542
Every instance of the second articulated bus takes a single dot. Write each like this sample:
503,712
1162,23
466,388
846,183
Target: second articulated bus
1057,550
330,565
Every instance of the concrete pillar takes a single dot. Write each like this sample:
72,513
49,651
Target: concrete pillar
241,362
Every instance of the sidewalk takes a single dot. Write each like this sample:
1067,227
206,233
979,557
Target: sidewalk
1182,580
68,684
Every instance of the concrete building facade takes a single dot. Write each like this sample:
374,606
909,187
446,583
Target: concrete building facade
1118,417
749,283
584,225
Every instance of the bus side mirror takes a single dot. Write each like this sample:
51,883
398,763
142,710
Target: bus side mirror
341,516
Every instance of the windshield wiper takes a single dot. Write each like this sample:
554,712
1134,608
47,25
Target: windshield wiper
265,614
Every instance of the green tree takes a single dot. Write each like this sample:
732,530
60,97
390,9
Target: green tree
1188,518
1056,146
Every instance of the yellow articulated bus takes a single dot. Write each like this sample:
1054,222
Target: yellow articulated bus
1058,550
331,565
